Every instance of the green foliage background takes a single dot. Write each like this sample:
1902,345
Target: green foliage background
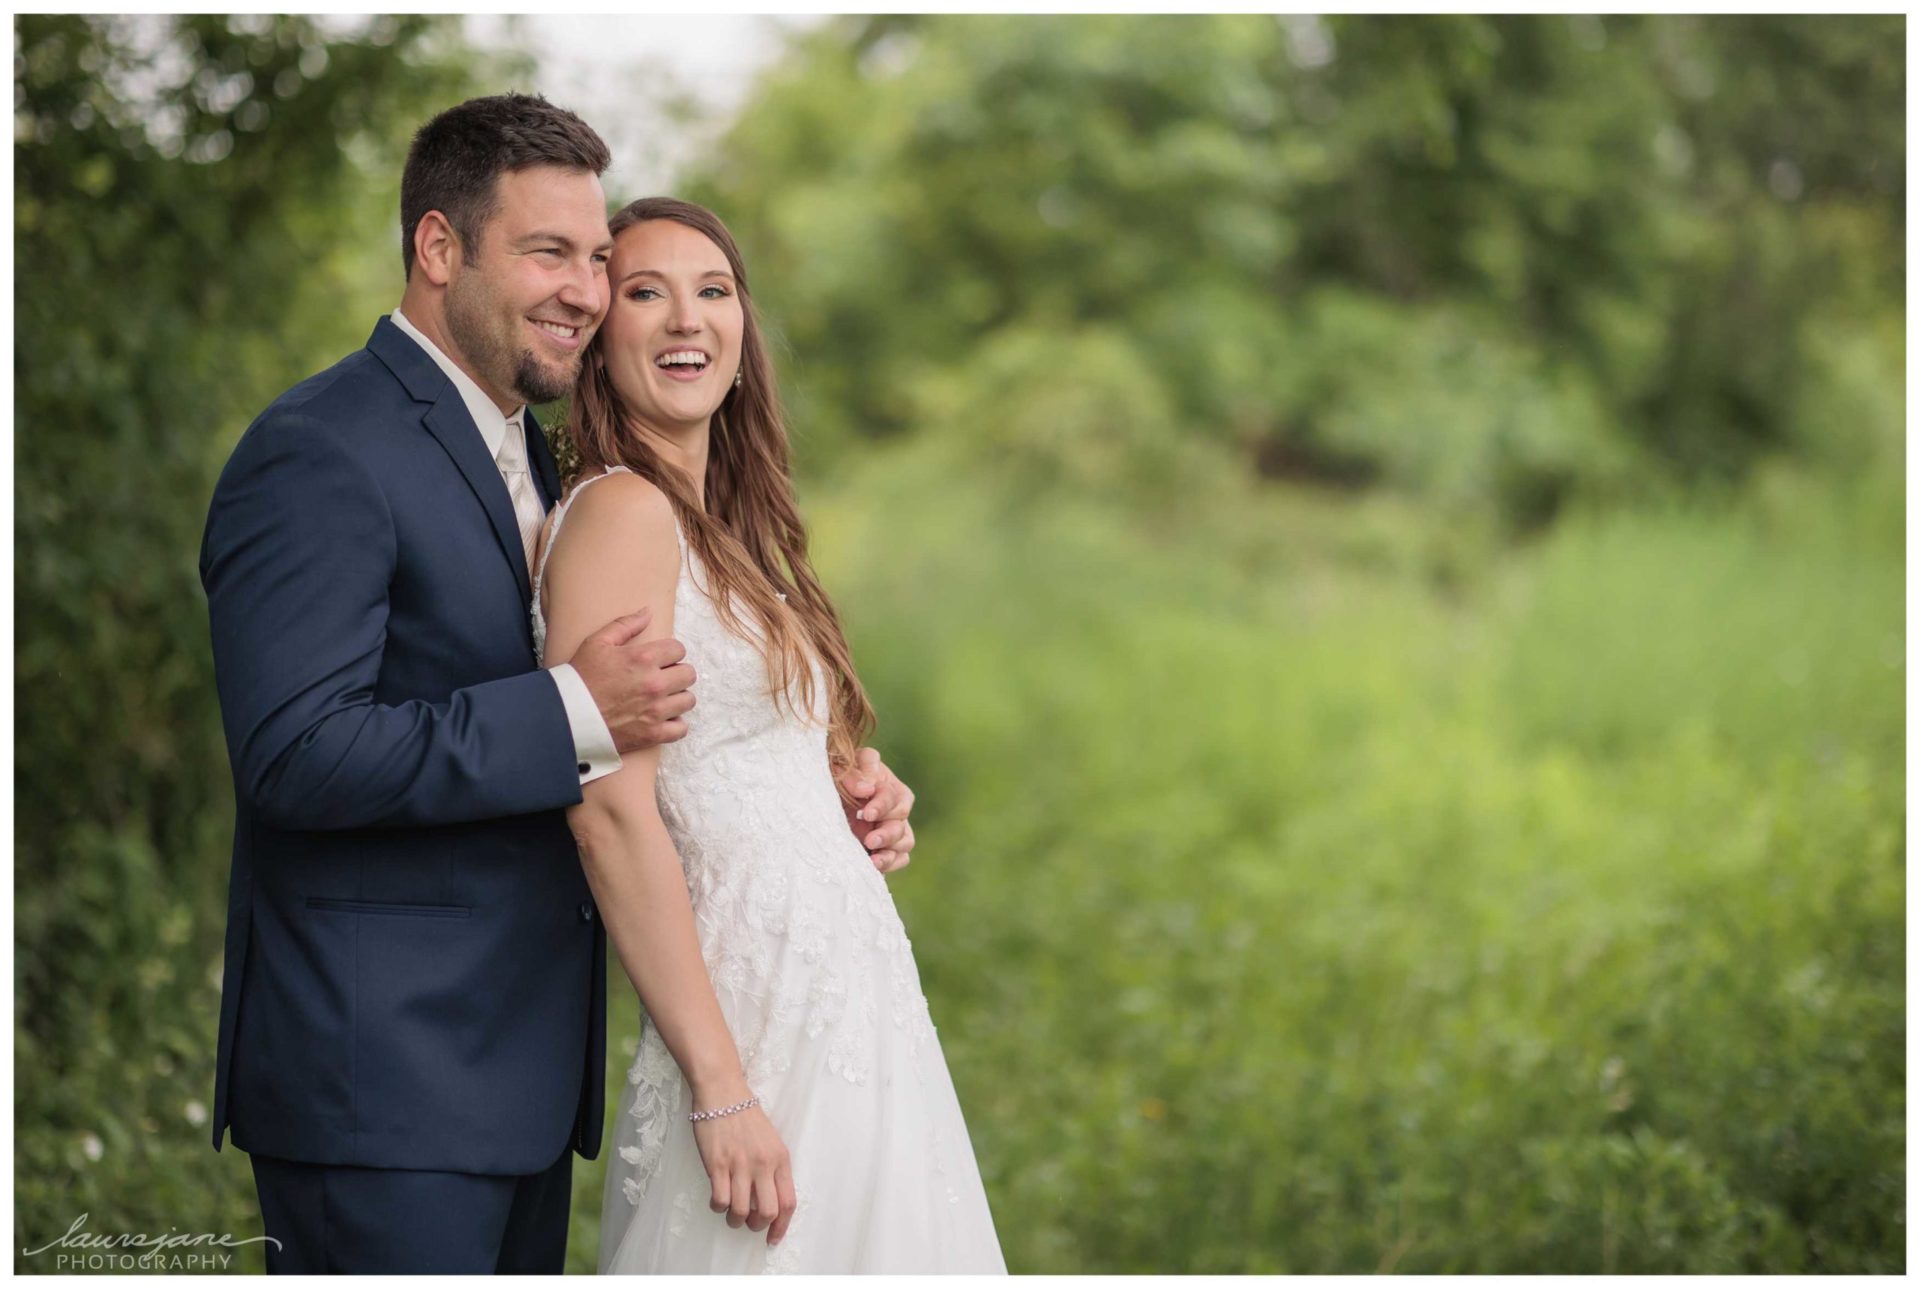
1378,542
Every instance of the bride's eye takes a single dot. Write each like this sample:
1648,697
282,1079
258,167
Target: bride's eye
719,292
643,292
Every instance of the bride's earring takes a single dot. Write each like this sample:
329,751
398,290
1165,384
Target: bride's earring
737,376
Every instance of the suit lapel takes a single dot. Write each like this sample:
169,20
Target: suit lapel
543,467
450,422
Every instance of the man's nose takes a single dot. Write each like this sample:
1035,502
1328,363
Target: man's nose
585,290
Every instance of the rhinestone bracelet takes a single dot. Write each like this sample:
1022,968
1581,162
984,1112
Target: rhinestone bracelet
697,1115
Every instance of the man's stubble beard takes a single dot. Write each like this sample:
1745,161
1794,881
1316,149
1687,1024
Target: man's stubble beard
540,384
516,370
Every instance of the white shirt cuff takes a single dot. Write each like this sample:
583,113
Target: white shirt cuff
592,741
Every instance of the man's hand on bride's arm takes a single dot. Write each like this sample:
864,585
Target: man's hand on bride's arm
642,687
879,810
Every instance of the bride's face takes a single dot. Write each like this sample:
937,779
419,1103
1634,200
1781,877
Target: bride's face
672,335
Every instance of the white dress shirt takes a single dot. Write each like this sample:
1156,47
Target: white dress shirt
592,742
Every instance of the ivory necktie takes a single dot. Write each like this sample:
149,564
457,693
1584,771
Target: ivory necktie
527,510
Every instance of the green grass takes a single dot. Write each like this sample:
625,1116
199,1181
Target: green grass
1305,913
1306,885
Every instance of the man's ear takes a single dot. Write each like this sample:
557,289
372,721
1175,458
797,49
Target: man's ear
435,248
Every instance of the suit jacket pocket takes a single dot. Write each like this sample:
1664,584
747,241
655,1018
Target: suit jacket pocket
404,910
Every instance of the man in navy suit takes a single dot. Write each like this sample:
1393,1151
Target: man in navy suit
412,1019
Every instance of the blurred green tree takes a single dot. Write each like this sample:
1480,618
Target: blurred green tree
1493,260
203,212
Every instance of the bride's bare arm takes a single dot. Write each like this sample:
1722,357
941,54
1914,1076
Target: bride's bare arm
620,555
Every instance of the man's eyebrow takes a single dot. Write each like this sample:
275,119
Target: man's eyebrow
561,238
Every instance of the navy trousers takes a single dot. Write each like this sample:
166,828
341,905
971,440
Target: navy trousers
335,1219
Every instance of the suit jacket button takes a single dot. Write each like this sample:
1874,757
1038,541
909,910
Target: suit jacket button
586,910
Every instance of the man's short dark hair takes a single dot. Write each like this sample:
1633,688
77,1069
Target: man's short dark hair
458,157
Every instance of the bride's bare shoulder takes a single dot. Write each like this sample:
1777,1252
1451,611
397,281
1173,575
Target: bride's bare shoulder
614,552
619,516
619,496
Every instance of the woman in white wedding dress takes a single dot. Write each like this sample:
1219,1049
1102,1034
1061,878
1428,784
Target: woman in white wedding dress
782,1000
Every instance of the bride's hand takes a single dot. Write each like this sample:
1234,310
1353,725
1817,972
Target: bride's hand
747,1163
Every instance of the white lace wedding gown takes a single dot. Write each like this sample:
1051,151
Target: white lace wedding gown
815,976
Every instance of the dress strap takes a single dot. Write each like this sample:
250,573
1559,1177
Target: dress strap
559,518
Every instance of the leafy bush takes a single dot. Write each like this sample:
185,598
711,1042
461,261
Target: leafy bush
1321,919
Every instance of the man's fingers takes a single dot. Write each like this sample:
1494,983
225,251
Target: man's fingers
626,627
876,806
894,800
675,679
885,794
902,802
663,652
899,853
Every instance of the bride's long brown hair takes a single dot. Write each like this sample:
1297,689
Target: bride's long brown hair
749,535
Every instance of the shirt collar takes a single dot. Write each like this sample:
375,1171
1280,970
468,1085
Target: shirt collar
485,412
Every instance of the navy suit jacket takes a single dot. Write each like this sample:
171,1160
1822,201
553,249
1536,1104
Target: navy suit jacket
415,972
